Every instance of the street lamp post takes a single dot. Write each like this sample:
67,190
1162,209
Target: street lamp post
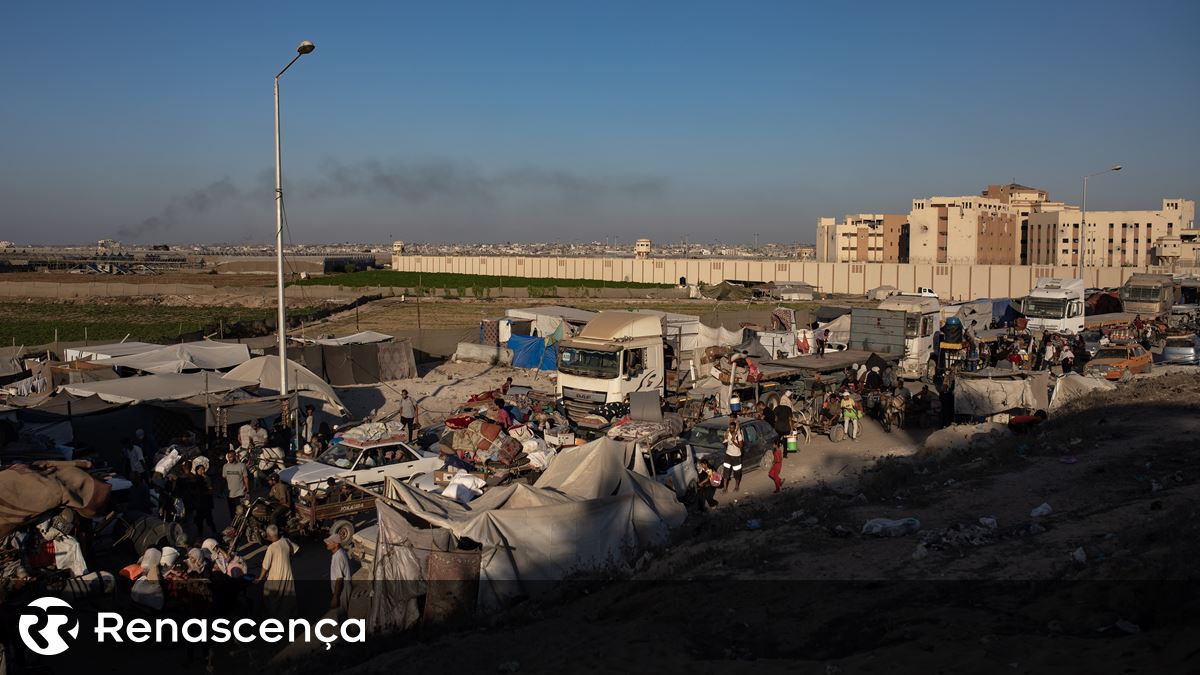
1083,217
305,47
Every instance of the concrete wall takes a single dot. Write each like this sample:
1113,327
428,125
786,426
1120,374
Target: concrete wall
949,281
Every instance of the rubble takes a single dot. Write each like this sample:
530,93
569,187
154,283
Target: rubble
886,527
1041,511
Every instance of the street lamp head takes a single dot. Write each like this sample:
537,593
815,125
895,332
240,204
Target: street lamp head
1116,167
305,47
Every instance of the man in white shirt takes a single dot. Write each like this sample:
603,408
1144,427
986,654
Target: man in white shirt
339,577
134,457
732,466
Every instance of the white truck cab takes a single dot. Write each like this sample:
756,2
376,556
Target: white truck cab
1055,305
616,354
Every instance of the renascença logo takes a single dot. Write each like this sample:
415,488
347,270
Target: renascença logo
43,623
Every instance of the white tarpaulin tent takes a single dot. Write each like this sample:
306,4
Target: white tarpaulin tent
202,355
264,371
1073,386
586,514
547,319
366,337
161,387
997,390
110,351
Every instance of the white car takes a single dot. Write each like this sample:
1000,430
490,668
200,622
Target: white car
365,462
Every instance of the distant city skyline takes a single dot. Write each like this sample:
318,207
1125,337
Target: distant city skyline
543,121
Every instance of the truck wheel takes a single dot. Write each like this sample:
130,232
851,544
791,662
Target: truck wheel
344,529
837,434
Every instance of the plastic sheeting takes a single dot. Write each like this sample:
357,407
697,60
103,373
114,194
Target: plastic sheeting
585,514
1073,386
203,355
109,351
363,338
533,352
162,387
545,320
264,371
996,391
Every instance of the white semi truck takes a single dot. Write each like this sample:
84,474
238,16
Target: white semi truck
1055,305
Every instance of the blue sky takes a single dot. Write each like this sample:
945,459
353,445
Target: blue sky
520,121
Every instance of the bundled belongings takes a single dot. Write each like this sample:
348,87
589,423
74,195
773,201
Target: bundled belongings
27,492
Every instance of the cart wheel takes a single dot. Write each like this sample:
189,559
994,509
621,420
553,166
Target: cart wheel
837,434
344,529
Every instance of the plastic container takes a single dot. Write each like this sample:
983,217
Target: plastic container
793,443
735,404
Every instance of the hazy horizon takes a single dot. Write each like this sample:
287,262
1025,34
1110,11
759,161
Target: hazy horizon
542,121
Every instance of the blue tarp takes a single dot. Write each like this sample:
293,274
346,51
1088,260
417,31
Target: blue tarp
533,352
1004,311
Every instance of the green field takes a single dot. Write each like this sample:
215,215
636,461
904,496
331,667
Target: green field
460,281
35,323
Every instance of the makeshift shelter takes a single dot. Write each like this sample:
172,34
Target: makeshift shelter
1005,311
362,338
162,387
882,292
544,321
1073,386
585,515
726,291
839,329
201,355
1102,302
533,352
263,371
992,391
109,351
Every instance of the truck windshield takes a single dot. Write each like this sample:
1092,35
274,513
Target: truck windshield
1142,293
1044,308
588,363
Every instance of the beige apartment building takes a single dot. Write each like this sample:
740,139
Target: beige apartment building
1023,200
1111,238
863,237
965,230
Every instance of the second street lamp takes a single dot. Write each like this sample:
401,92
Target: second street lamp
1083,232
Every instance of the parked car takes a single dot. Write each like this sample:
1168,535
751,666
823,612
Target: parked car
707,440
363,462
1119,362
1179,350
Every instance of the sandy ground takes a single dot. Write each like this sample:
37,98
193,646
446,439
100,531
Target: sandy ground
786,582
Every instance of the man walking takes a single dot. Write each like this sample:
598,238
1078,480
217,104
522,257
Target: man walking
279,590
339,577
237,482
408,413
777,464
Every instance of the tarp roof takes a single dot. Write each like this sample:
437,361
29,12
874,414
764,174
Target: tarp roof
264,371
366,337
109,351
161,387
202,355
1073,385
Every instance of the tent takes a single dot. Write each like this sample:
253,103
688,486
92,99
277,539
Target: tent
882,292
586,514
161,387
1073,386
546,320
839,329
533,352
201,355
109,351
1005,312
264,371
363,338
998,390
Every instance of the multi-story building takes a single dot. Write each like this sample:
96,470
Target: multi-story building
1110,238
1023,200
641,249
964,230
864,237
